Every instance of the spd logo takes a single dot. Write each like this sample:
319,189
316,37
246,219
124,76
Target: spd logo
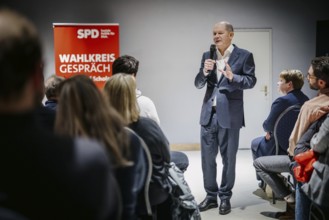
87,33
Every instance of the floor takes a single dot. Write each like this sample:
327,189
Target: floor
248,201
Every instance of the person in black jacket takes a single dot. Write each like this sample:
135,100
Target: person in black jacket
120,90
303,203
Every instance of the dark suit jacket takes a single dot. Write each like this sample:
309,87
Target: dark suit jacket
262,147
295,97
158,145
229,95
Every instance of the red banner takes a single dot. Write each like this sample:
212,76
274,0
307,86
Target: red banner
88,49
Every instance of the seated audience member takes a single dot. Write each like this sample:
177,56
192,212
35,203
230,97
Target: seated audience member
129,65
320,145
43,176
45,116
269,167
83,111
51,87
318,77
290,84
120,91
302,202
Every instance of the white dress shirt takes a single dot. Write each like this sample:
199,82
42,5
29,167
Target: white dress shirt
220,63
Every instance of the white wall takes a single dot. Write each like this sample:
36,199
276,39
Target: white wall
169,36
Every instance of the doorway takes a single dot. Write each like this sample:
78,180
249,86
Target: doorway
257,101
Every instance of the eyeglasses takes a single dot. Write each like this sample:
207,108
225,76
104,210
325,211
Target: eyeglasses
309,76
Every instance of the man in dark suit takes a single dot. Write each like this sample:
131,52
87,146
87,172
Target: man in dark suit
43,176
226,75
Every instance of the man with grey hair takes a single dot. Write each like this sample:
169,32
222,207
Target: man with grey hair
225,71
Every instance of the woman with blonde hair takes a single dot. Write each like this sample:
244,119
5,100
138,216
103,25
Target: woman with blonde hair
120,90
83,111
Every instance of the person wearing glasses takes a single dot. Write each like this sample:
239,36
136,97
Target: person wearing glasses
313,110
290,84
318,78
268,167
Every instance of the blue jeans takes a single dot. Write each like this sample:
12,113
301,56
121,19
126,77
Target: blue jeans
303,204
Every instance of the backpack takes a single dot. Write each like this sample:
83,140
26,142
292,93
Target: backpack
184,206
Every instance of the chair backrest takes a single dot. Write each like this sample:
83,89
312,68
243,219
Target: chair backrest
148,160
283,127
148,177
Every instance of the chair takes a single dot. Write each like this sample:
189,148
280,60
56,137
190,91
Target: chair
145,205
282,129
148,159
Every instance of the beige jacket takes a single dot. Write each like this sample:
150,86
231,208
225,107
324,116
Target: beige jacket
309,113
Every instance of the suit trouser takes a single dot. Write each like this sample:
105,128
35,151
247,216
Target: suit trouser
214,138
